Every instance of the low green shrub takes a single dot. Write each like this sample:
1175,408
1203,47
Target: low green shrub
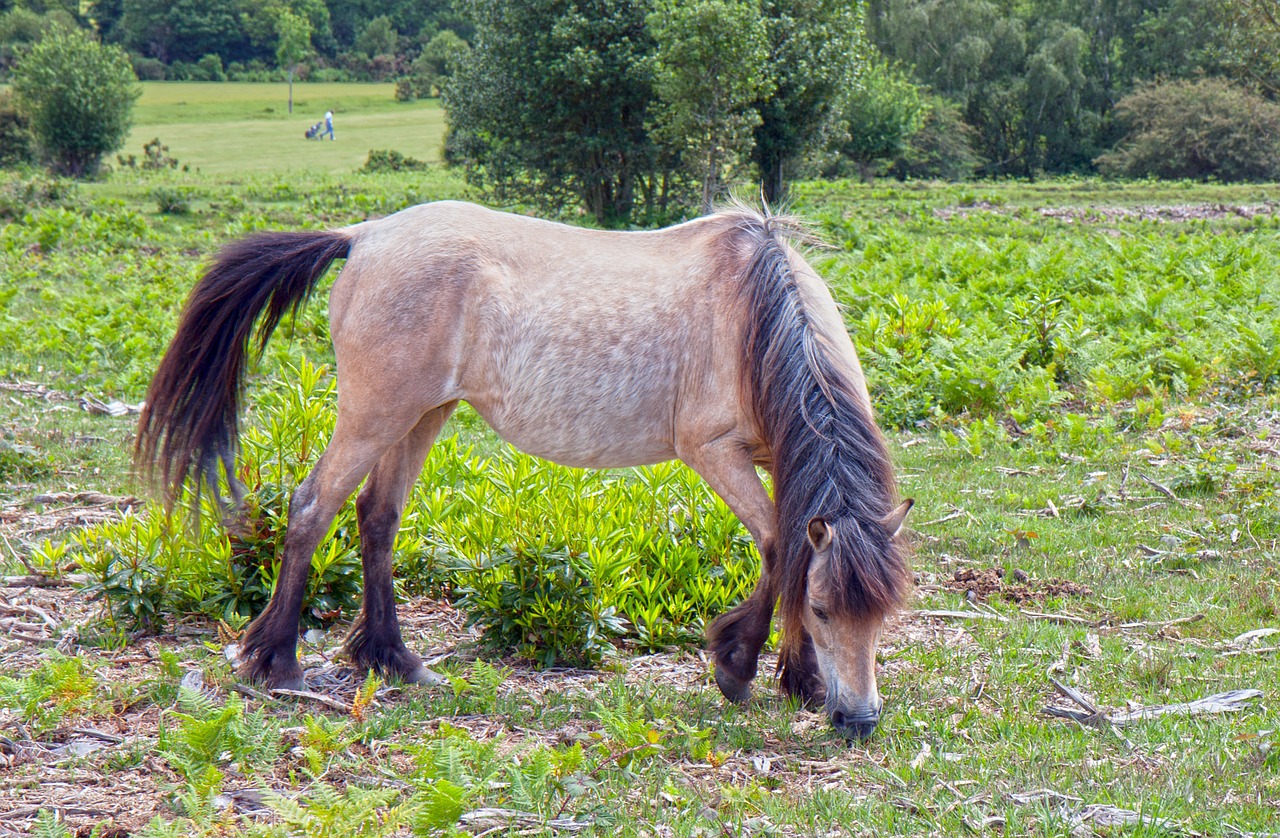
171,200
146,569
390,160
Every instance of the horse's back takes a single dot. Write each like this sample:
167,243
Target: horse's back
575,345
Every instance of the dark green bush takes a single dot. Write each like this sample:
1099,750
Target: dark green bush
148,69
390,160
542,603
941,149
405,90
79,96
1196,130
171,200
17,146
209,68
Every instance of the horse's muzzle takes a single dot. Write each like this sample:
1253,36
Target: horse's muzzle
855,728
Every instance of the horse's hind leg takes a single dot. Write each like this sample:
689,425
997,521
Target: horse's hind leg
736,637
268,650
375,641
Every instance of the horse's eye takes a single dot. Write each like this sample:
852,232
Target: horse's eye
821,614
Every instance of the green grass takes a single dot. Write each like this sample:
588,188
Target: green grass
233,128
1027,435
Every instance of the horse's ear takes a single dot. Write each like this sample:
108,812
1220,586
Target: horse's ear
820,534
896,518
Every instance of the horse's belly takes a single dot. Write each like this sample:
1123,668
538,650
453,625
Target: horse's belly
590,415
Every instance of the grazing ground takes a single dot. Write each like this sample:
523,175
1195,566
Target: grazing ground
1079,383
232,128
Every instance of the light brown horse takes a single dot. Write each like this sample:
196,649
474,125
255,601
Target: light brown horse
712,341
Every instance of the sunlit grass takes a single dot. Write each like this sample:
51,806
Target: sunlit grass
229,128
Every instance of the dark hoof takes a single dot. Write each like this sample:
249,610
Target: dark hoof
279,678
734,690
275,671
295,683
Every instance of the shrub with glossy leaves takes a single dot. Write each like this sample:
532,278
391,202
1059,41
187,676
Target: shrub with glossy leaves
78,95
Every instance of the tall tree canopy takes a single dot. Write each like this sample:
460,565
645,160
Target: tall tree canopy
551,103
711,65
816,51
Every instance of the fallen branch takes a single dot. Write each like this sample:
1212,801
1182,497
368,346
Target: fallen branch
35,581
950,516
1161,488
316,697
1260,650
961,615
490,818
1228,702
1057,618
1194,618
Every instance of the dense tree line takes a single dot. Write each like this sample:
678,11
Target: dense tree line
1038,80
208,41
635,109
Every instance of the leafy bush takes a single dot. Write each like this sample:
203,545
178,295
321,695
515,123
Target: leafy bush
390,160
144,569
209,68
543,604
17,146
79,97
1197,130
171,200
148,69
551,560
406,90
879,117
22,195
942,148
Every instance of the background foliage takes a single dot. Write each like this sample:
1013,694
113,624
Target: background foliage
78,96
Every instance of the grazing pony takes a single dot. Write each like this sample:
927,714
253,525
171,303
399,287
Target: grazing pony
712,341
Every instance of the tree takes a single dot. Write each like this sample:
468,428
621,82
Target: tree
882,113
941,148
709,69
1200,129
435,65
21,27
378,38
181,30
79,97
817,50
551,104
1250,42
293,44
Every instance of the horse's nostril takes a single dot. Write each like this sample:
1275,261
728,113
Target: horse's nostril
854,727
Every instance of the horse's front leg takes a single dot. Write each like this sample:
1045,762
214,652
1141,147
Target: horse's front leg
736,637
375,641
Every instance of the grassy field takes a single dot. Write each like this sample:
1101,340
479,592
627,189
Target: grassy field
1079,383
232,128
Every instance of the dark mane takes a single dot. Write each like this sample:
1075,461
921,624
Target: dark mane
829,458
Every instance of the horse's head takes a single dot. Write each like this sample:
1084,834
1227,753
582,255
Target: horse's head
847,600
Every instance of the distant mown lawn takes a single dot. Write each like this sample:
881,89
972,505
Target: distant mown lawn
229,127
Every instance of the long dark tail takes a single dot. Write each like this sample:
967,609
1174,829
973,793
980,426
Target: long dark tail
191,418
